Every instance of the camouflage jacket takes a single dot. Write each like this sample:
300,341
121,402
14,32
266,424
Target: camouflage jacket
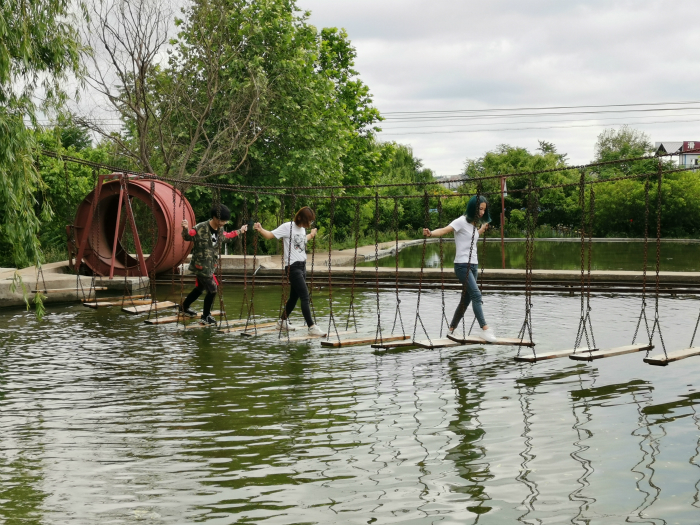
205,253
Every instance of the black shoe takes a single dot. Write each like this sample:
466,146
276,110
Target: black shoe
207,320
187,311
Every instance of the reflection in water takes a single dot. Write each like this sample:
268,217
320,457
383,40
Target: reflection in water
525,394
675,257
468,455
582,415
105,419
649,446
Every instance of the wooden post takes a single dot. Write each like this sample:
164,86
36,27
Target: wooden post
137,241
503,220
116,229
88,224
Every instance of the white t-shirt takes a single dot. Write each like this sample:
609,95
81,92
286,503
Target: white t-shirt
297,242
463,240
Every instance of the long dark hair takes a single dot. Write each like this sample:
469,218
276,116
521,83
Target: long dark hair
472,211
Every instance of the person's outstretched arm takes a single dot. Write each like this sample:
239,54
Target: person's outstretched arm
188,234
437,233
262,231
229,236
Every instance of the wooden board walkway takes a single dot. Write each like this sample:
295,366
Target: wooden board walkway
387,345
436,343
162,305
475,340
250,331
175,318
677,355
362,341
556,354
66,290
610,352
307,336
106,304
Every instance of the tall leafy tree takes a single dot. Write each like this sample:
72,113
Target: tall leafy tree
39,51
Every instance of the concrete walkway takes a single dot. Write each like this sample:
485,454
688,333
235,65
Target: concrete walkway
62,285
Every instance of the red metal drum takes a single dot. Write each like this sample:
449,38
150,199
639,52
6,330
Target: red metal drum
168,207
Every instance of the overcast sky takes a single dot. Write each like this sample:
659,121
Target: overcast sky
418,55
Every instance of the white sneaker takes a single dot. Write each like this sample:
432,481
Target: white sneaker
316,331
284,325
489,336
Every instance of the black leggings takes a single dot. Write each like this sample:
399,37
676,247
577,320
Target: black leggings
297,281
203,283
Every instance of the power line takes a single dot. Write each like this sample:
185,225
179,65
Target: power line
537,108
531,128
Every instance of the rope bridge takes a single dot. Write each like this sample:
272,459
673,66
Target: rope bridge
117,190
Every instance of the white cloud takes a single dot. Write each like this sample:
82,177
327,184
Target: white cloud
417,55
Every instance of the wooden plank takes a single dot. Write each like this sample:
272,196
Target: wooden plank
362,341
250,328
400,346
98,304
677,355
104,304
175,318
436,343
162,305
386,345
475,340
307,336
195,324
556,354
610,352
65,290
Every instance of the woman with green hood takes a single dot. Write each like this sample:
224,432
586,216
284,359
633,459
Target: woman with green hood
467,229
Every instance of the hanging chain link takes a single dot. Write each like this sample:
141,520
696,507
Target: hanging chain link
331,318
645,264
356,232
657,322
426,222
378,336
397,312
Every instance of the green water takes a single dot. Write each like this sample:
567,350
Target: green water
104,419
559,256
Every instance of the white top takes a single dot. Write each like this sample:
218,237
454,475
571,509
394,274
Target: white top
297,242
463,240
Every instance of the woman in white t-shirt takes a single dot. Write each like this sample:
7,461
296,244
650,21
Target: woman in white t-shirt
467,229
294,238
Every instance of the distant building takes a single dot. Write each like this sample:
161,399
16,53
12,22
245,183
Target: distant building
688,151
450,183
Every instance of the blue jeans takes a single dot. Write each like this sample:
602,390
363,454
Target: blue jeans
467,275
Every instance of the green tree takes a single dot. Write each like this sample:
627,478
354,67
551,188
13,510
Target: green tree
39,52
556,206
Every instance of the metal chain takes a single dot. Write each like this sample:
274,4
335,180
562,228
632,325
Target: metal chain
657,322
244,243
251,308
331,318
313,257
152,274
426,222
473,245
378,335
287,272
397,312
643,311
531,223
351,308
443,318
